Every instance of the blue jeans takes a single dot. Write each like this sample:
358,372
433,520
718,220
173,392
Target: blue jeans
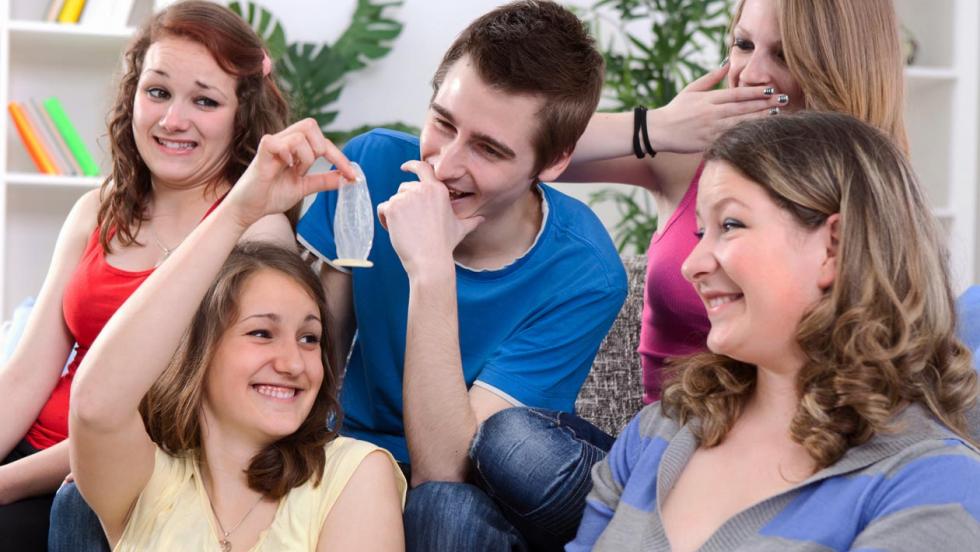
74,526
532,472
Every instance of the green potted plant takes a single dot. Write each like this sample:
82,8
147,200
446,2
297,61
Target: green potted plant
686,39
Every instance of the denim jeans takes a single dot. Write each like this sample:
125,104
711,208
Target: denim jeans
74,526
532,472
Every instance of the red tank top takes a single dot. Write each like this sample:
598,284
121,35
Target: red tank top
94,293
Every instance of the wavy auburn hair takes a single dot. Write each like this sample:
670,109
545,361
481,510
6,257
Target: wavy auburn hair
262,108
883,335
171,409
846,55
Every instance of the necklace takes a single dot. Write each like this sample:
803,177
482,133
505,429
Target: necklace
166,250
223,541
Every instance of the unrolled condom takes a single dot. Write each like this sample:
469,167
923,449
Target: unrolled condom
353,222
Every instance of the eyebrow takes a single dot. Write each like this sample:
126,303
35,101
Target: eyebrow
199,84
504,150
277,319
720,204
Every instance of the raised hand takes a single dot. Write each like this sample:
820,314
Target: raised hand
276,179
420,219
699,113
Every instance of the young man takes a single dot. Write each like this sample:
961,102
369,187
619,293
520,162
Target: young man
489,290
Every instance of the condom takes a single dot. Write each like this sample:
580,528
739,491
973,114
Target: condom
353,222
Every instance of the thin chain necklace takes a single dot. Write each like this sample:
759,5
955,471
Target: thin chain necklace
223,541
166,250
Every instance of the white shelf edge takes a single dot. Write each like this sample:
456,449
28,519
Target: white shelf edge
923,73
44,27
37,180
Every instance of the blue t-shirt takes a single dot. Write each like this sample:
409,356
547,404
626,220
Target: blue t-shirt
528,331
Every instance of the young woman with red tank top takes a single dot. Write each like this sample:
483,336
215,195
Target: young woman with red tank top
184,126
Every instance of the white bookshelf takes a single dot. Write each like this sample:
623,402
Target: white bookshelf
79,65
943,113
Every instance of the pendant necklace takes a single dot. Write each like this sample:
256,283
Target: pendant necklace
166,250
223,541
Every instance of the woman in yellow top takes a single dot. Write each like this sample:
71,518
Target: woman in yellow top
199,418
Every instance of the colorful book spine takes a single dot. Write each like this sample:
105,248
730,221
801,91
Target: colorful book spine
54,10
65,160
71,11
30,139
54,108
47,145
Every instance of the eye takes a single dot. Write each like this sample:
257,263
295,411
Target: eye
730,224
699,233
490,151
157,93
312,339
261,333
442,124
743,45
206,102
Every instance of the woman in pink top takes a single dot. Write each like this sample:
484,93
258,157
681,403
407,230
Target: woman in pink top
835,55
785,55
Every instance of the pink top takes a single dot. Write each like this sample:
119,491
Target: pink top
674,320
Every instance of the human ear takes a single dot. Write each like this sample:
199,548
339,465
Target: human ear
554,170
828,269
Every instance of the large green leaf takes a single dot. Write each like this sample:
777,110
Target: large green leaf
265,25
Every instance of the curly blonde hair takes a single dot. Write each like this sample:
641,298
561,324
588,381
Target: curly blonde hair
883,336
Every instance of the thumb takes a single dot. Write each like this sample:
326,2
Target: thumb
709,80
468,225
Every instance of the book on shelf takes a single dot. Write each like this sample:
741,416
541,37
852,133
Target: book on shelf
52,138
47,144
31,140
71,137
71,11
110,14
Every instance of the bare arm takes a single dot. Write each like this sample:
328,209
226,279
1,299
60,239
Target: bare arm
687,125
368,513
37,474
112,456
27,379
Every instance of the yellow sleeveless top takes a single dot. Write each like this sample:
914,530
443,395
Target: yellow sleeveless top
172,512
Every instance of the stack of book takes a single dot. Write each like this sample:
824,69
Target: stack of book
104,13
51,139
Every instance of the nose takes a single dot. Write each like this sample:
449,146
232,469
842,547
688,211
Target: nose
449,163
289,359
699,263
173,119
758,71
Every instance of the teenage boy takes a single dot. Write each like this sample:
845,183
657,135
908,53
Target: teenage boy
489,290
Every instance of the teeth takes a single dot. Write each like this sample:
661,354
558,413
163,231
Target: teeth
453,194
176,145
275,391
718,301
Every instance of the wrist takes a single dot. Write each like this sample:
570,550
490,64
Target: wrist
431,271
655,129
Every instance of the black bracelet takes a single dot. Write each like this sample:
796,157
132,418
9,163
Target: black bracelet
640,128
639,121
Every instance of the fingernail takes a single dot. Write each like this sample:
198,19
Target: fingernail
768,91
774,110
783,99
724,62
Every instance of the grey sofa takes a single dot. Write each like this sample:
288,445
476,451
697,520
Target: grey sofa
613,392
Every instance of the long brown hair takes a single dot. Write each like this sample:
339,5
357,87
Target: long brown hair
846,56
883,336
171,410
262,109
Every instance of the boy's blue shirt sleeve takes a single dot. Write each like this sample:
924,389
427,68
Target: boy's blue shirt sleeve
545,364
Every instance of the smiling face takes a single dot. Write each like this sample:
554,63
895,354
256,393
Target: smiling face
756,56
478,141
267,367
183,113
756,268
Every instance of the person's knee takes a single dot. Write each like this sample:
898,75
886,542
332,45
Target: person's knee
509,432
74,526
449,505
